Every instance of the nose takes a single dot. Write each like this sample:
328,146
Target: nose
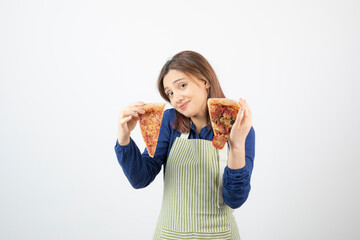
177,97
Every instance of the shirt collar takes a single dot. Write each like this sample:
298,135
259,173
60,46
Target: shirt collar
204,131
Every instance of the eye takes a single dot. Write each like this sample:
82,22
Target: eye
169,94
182,85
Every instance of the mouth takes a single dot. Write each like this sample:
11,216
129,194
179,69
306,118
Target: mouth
184,105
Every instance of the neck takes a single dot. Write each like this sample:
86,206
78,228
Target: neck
200,122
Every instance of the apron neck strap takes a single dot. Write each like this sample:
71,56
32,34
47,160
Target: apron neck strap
185,135
223,159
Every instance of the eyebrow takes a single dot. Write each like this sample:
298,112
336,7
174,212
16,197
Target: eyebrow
175,82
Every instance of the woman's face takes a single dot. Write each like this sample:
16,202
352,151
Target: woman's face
187,94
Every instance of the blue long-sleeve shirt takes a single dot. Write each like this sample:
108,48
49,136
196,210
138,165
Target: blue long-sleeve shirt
141,169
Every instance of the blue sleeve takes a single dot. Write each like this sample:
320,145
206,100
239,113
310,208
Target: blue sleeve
141,169
236,182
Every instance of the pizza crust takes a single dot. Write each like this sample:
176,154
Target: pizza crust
224,102
157,107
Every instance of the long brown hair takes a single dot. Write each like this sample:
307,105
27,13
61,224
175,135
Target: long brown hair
193,63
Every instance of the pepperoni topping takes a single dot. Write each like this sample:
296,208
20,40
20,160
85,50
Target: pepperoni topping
219,141
216,111
220,127
229,113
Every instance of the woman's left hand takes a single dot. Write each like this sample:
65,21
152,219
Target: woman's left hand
241,127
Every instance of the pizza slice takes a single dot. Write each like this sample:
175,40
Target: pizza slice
223,112
150,123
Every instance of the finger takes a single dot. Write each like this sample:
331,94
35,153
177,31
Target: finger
243,102
247,117
139,110
247,108
246,104
239,116
138,103
133,111
125,120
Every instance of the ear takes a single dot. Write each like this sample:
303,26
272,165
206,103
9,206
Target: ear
207,84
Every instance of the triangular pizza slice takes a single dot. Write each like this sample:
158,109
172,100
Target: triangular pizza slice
150,123
223,112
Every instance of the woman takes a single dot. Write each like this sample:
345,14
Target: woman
199,192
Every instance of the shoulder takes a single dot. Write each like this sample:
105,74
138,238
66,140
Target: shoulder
167,131
169,115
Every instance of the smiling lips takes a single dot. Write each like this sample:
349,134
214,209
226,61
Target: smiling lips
184,105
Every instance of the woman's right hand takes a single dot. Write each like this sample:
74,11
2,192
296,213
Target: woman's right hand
127,120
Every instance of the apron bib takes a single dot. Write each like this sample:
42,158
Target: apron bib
192,206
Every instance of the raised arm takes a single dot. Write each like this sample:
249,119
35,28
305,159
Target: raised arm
236,182
140,169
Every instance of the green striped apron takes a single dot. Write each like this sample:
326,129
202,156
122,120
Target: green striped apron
192,206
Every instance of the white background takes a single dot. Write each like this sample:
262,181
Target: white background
68,67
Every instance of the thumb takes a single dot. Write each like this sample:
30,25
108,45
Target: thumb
125,120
